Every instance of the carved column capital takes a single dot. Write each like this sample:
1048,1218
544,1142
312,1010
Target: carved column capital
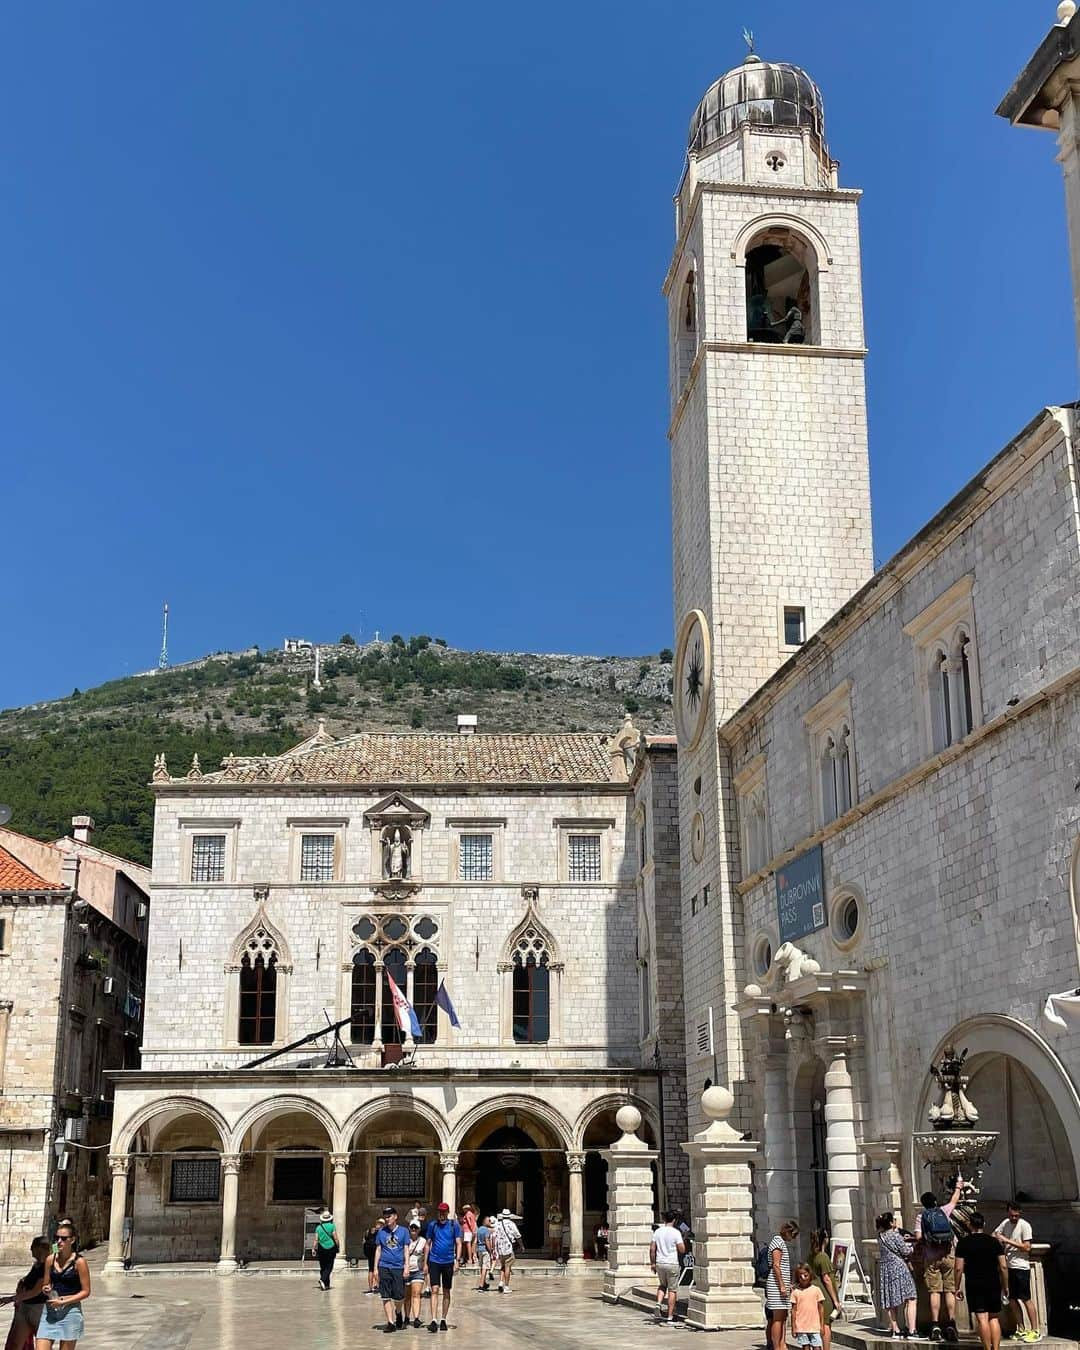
119,1164
339,1162
231,1163
448,1161
575,1161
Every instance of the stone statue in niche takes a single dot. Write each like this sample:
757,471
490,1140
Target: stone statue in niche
396,856
954,1111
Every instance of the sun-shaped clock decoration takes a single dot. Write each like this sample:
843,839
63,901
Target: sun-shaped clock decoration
693,666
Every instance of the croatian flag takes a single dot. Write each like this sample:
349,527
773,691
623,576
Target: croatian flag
404,1013
442,998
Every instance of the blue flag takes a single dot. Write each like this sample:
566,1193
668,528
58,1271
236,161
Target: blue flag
442,998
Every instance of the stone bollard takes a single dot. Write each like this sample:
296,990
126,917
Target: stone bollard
630,1207
723,1296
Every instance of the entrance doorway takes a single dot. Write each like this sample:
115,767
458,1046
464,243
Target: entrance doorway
811,1135
510,1175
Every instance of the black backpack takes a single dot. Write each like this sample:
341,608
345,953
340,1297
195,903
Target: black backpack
762,1263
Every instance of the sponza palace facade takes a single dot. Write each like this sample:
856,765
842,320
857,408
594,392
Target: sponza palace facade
534,876
864,847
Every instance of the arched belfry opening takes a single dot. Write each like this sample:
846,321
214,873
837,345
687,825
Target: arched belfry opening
781,289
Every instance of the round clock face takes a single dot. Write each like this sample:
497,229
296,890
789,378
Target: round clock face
693,674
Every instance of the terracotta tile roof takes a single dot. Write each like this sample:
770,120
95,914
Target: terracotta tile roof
14,876
571,757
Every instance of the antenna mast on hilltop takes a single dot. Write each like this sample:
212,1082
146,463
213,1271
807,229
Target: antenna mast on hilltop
163,659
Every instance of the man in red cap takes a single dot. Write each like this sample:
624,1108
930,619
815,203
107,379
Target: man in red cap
443,1255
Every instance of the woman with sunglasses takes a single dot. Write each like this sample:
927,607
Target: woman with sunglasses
67,1284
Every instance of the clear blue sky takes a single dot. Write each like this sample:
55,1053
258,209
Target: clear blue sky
343,316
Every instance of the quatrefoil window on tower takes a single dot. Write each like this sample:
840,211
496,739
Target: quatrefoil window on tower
775,161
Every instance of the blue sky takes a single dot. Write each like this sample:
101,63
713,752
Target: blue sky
345,316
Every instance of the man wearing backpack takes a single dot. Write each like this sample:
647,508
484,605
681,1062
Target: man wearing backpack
934,1234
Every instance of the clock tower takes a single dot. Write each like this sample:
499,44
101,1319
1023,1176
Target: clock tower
769,468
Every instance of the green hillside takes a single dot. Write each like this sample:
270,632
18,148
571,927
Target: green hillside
93,751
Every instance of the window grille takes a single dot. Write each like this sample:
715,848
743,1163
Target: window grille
317,857
584,857
194,1180
208,857
399,1178
475,856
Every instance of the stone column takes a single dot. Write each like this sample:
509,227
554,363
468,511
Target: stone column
340,1164
630,1207
377,1041
575,1162
779,1142
230,1195
723,1296
1069,159
410,970
840,1147
120,1167
448,1162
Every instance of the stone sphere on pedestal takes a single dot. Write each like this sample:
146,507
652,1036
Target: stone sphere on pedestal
628,1118
716,1103
1066,10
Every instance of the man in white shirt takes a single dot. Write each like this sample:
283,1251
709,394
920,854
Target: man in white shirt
1014,1234
665,1249
507,1238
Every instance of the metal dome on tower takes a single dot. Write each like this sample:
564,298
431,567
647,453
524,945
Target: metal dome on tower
763,93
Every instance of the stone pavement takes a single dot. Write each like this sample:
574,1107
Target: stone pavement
288,1312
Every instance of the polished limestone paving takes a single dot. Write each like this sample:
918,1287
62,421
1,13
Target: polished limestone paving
279,1311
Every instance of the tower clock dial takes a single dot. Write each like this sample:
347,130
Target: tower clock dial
693,676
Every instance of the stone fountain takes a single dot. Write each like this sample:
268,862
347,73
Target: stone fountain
955,1145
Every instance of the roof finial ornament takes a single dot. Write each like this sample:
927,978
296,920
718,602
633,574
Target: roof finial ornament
1066,10
748,38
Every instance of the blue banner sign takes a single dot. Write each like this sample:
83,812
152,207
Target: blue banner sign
800,896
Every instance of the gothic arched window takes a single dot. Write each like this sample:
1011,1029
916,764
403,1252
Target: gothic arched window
941,699
532,998
425,987
258,998
966,696
362,1005
393,968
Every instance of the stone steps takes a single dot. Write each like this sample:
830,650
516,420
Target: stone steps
868,1336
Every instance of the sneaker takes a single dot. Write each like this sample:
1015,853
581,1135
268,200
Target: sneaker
416,1321
951,1333
895,1334
400,1319
389,1327
443,1326
502,1288
935,1332
433,1325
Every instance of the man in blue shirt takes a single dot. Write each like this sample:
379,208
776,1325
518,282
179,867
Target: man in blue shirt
391,1243
443,1254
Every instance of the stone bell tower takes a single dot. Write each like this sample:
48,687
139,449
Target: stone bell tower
769,465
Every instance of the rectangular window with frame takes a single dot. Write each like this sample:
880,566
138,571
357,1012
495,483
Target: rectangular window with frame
5,933
476,857
794,625
317,857
208,857
194,1181
583,853
298,1181
399,1177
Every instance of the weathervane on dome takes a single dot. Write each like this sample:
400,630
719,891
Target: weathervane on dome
748,38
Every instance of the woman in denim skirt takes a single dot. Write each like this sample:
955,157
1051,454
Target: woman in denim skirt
67,1285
